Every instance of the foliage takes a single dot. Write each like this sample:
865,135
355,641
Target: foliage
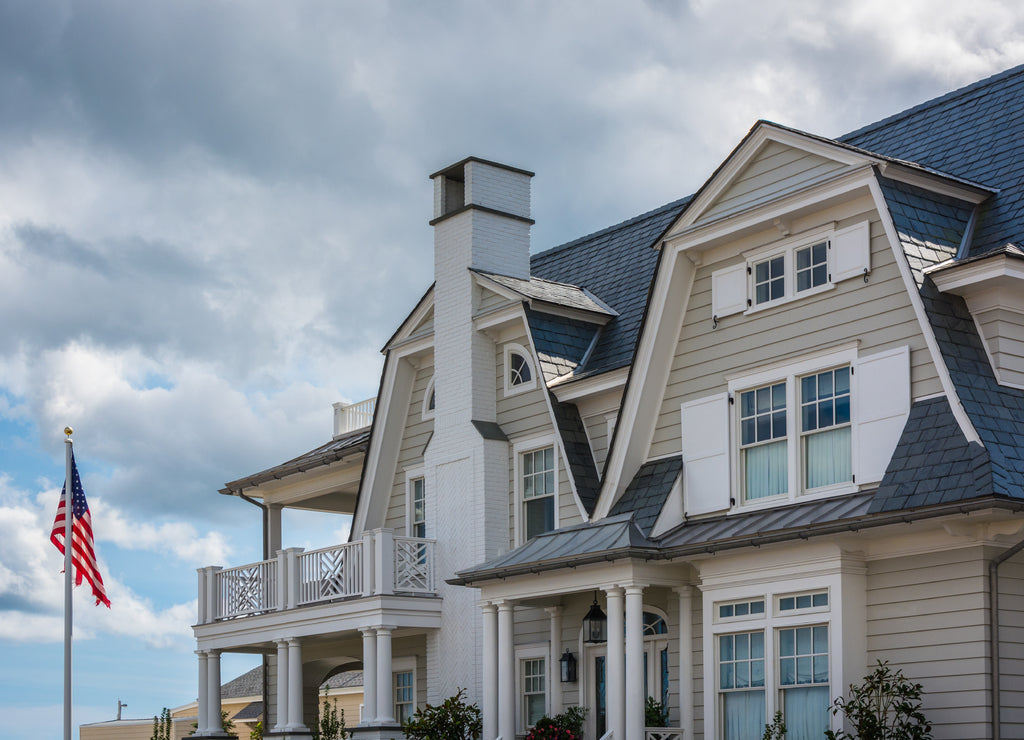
548,729
332,723
655,713
256,733
454,719
162,726
885,706
572,719
226,724
776,730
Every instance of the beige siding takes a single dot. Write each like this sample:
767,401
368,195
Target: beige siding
1004,334
487,300
926,615
775,169
1011,647
597,432
410,455
878,314
521,417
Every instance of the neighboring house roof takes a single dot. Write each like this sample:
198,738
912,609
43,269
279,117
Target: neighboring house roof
251,711
346,445
249,683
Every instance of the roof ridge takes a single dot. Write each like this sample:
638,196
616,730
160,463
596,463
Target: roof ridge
614,227
933,102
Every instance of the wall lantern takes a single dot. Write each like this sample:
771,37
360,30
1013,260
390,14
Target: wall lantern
595,624
568,666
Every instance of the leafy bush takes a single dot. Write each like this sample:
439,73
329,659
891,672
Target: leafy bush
331,726
655,713
547,729
776,730
572,719
454,719
162,726
885,706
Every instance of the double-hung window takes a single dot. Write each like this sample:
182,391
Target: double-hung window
538,490
405,695
417,508
825,427
763,439
534,674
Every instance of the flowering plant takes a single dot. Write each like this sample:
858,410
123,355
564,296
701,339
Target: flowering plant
546,729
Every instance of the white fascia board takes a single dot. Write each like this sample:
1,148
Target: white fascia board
937,183
413,345
418,314
814,194
748,149
495,287
584,579
966,426
641,403
973,277
568,389
498,318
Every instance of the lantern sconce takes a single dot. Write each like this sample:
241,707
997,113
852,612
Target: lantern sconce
595,624
568,665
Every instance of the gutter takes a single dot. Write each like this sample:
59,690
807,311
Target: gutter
993,592
867,521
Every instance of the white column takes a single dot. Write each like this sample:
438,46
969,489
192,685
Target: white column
490,672
615,666
554,674
385,701
506,672
203,726
369,676
635,661
213,724
282,686
686,660
295,685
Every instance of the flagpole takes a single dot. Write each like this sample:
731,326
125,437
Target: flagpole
68,517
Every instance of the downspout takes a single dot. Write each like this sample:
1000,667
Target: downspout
266,556
993,595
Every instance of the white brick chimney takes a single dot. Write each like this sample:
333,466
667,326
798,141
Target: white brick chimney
481,221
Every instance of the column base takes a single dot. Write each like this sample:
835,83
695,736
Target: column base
303,734
376,732
219,735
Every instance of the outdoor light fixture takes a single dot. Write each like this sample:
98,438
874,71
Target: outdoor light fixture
568,665
595,624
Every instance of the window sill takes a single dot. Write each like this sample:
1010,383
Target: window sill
775,502
758,307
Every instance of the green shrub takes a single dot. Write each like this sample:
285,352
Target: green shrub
655,713
885,706
454,719
776,730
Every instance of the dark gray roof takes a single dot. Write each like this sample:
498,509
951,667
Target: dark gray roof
249,683
487,430
344,680
607,539
647,492
549,291
561,342
616,264
348,444
581,462
252,710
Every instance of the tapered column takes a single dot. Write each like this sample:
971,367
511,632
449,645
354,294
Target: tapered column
203,726
213,723
506,672
385,705
282,686
295,685
490,672
635,661
615,673
554,674
686,659
369,676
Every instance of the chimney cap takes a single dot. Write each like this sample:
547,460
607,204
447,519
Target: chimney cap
456,170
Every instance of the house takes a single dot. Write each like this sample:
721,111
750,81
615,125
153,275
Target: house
726,454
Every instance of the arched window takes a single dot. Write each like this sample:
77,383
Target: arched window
654,624
429,401
520,374
518,370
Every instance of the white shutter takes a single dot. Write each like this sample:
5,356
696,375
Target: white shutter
850,255
729,290
705,432
881,398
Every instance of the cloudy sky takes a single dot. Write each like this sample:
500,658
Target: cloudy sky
213,214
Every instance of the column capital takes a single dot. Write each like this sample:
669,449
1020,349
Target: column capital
506,605
554,611
489,608
613,590
282,642
293,641
634,588
385,628
686,590
201,653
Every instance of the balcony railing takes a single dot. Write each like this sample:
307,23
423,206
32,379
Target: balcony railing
377,564
662,733
351,416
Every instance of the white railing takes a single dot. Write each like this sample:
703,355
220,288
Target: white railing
351,416
247,589
663,733
331,573
414,565
377,564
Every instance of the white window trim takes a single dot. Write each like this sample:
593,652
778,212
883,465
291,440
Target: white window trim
788,248
410,476
790,373
770,622
426,412
514,390
531,652
404,665
518,449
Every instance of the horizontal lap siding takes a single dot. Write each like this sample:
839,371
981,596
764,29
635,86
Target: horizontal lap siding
878,314
927,616
410,455
597,433
1004,334
777,168
1011,649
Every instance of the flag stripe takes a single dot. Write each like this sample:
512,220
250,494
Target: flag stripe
83,556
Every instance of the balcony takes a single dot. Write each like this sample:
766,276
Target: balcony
380,564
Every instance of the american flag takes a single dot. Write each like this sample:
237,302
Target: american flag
82,554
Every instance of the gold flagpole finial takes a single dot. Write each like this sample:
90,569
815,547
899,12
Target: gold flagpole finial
68,431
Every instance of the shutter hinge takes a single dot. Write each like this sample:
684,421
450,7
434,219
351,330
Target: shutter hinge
749,303
749,270
732,400
852,370
830,277
732,501
853,478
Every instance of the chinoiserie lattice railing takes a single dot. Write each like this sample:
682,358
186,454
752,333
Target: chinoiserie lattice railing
414,565
662,733
331,573
247,589
377,564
